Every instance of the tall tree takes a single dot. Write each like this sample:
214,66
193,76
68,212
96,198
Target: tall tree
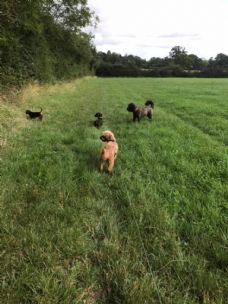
73,15
221,60
40,37
179,56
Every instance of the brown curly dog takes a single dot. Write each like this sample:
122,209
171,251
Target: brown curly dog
109,151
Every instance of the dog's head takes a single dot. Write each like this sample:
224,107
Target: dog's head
131,107
27,112
98,115
149,103
107,136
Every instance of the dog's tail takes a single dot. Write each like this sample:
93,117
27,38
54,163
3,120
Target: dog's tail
41,110
149,103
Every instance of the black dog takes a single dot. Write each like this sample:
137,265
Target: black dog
99,121
138,113
34,115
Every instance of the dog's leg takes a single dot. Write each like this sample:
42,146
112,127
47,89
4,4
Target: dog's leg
110,165
149,115
101,164
135,116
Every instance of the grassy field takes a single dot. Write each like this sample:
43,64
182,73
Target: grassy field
153,232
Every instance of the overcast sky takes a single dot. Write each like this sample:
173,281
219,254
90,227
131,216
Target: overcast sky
150,28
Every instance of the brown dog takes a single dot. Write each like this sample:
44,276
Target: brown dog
109,151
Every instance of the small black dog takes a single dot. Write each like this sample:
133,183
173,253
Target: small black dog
138,113
34,115
99,121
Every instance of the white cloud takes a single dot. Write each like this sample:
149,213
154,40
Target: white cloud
150,28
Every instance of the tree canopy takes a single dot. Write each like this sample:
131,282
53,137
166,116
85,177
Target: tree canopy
44,40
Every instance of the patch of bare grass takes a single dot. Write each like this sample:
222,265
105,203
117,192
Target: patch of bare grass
33,90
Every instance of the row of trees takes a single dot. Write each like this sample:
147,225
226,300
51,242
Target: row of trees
178,63
43,39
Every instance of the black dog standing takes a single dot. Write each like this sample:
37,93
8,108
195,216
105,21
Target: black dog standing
138,113
99,121
34,115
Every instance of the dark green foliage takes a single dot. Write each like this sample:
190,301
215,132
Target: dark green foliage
217,67
43,40
178,64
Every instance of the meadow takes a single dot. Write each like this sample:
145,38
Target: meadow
155,231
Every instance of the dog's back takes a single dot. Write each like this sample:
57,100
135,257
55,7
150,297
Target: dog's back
111,147
98,123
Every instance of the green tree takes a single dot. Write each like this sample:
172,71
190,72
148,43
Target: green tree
194,62
221,60
44,39
73,15
179,56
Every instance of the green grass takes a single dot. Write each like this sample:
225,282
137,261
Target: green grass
153,232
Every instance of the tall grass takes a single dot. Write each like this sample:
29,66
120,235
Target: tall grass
153,232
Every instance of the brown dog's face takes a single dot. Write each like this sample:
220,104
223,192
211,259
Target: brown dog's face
107,136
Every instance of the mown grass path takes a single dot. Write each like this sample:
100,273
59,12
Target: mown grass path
153,232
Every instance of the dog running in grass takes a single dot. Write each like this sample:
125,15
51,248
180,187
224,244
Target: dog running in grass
99,121
34,115
138,113
109,151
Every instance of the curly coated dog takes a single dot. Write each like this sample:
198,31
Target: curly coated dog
99,121
109,151
34,115
138,113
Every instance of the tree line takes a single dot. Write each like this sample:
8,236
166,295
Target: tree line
43,40
178,64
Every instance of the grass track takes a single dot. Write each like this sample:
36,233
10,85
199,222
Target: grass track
153,232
